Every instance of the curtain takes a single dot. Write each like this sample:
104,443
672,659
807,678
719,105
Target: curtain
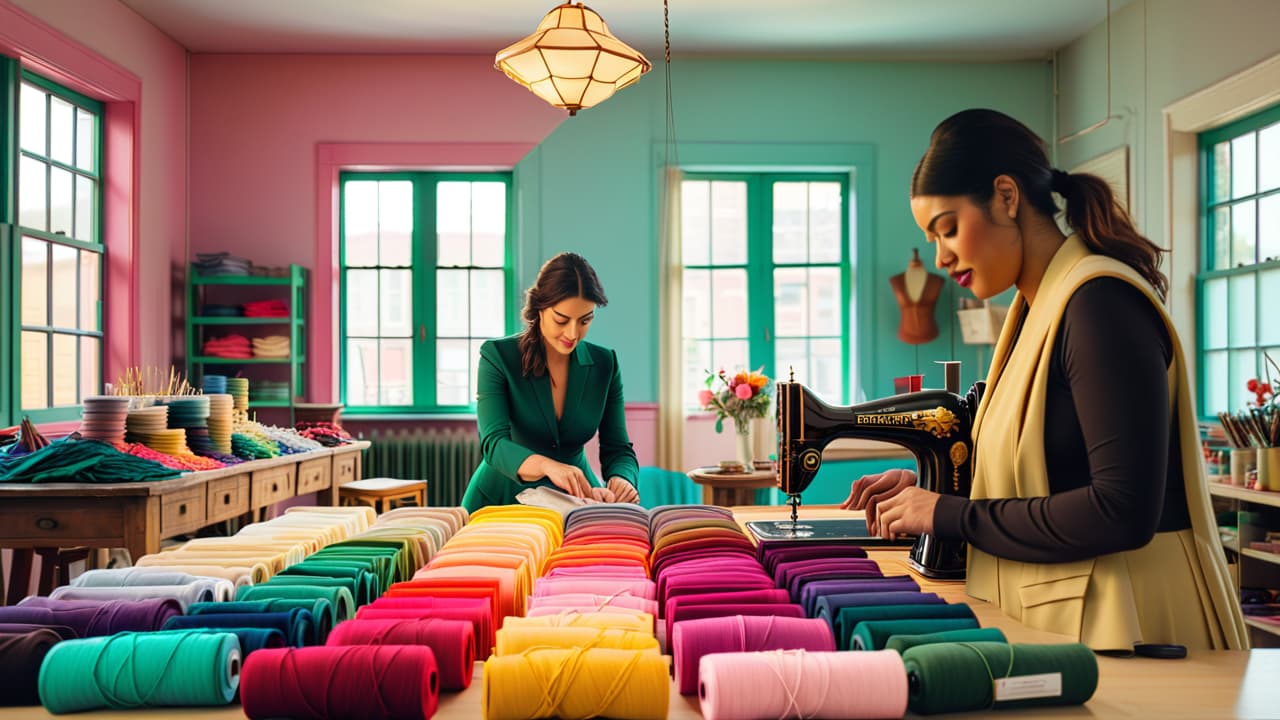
671,411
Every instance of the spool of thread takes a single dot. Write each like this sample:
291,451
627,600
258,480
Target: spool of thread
598,682
452,641
397,682
294,624
209,590
873,634
903,643
133,670
693,640
90,618
320,609
515,640
959,677
798,684
20,657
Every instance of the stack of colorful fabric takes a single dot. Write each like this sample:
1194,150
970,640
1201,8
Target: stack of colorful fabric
272,346
266,309
229,346
221,263
83,461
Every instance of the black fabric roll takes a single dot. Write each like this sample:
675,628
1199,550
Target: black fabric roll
21,655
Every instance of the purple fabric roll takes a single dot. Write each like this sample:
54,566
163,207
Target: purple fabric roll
784,572
812,591
91,618
770,555
63,631
800,579
828,606
670,580
692,639
697,612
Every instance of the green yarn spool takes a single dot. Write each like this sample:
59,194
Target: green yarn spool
339,598
848,617
133,670
873,634
902,643
960,677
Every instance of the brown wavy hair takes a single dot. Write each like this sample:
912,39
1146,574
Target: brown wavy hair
968,150
567,275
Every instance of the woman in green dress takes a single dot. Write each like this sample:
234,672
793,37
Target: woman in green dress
542,394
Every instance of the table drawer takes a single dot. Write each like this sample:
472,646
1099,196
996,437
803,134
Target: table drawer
227,498
344,468
62,522
313,476
182,512
268,487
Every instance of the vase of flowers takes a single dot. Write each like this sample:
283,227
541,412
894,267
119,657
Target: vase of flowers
743,397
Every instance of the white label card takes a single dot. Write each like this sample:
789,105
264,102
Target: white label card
1026,687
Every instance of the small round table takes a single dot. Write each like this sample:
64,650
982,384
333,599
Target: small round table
730,489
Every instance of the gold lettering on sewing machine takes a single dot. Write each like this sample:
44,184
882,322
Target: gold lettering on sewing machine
940,421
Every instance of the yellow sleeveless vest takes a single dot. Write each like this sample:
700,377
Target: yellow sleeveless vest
1176,589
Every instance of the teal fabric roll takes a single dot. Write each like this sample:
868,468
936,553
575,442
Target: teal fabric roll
873,634
322,615
902,643
296,624
848,617
361,587
960,677
365,578
339,598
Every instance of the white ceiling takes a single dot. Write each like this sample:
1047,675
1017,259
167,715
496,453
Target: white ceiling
888,29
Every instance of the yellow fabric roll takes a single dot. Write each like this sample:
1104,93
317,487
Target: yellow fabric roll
513,640
550,519
642,622
600,682
1176,589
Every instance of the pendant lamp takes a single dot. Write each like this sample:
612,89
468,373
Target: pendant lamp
572,60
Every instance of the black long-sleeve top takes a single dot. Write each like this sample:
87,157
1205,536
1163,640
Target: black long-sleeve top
1115,471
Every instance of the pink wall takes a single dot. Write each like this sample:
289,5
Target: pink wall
118,36
270,132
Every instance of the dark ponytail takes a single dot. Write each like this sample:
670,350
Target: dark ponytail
567,275
968,150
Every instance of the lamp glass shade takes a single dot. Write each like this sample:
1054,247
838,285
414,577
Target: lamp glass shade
572,60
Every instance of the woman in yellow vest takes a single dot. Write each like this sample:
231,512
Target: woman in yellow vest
1089,514
542,394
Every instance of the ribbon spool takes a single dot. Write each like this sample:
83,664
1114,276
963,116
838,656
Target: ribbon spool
452,641
395,682
133,670
20,657
599,682
693,640
959,677
791,684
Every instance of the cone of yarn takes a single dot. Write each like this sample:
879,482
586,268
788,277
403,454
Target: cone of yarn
691,640
577,683
452,642
21,654
799,684
396,682
133,670
959,677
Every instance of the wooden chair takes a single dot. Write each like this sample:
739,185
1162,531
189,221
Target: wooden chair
55,570
383,494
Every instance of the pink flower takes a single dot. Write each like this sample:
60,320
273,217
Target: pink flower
704,398
743,391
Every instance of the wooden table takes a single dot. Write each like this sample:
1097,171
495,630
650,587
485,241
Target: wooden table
138,515
731,489
1207,684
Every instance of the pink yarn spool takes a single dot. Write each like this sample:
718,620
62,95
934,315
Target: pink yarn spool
691,640
800,684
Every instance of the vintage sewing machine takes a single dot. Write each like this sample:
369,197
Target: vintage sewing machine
935,425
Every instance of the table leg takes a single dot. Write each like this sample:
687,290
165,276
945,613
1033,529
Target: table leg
142,526
19,574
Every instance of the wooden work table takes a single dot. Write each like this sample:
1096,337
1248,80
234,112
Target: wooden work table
138,515
1221,684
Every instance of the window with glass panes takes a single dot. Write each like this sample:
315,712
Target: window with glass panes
56,248
1239,279
426,278
767,278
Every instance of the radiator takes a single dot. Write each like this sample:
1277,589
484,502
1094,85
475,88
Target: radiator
444,458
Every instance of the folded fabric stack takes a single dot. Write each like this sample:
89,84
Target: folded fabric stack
230,346
266,309
272,346
222,263
269,271
214,310
268,391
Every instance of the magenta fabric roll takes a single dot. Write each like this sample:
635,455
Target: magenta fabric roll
91,618
658,565
693,639
742,597
590,602
784,572
769,554
697,586
812,591
477,611
697,612
562,585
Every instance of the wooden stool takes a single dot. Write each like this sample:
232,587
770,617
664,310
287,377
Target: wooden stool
376,491
55,563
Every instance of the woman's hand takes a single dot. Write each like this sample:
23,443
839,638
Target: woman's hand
568,478
604,495
910,512
624,491
869,491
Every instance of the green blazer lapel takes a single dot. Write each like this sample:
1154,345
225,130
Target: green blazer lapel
540,386
579,377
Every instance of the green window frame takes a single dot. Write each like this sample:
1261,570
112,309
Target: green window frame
51,249
1239,274
770,273
434,234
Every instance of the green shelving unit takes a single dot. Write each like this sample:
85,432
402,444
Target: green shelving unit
231,290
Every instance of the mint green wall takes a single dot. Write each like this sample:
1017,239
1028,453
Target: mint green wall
591,186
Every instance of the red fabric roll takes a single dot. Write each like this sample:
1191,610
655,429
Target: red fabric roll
452,641
474,610
396,682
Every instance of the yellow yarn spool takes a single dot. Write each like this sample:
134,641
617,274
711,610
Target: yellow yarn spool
599,682
642,623
515,640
